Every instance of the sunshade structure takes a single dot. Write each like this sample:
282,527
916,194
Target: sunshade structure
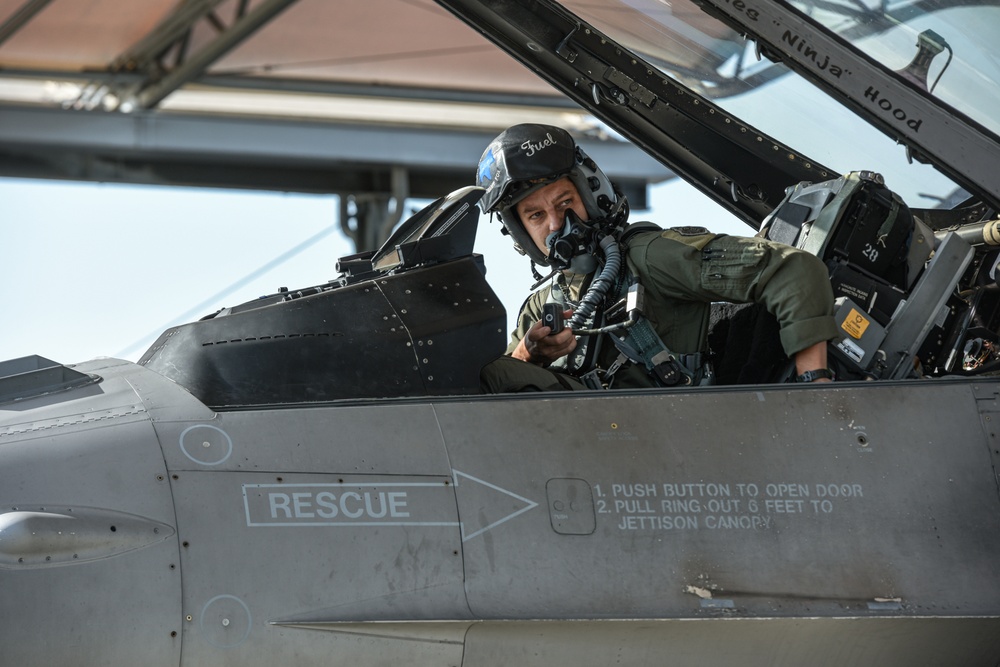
376,101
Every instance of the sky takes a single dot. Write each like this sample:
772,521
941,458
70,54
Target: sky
100,270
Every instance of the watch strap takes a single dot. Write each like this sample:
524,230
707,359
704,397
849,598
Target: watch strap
815,374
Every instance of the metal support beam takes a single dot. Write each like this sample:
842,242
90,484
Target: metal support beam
19,18
368,219
294,155
373,169
243,27
148,58
144,54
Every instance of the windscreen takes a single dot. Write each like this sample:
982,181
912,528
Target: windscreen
945,48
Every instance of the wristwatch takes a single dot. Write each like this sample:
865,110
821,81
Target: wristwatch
816,374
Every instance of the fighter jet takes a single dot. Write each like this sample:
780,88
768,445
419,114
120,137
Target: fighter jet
314,477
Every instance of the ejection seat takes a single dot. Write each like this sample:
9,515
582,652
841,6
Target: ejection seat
415,318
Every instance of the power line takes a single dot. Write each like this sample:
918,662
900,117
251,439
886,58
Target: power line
215,298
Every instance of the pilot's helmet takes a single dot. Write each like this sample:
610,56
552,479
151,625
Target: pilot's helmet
527,157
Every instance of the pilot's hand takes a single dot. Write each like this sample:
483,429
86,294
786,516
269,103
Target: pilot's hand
540,346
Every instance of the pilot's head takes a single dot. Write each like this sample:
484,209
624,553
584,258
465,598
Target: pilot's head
540,172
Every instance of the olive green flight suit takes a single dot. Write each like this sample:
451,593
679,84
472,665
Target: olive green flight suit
683,271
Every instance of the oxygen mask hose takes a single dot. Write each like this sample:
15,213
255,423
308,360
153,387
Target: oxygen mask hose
600,286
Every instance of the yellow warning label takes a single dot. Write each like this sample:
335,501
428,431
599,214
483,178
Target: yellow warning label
855,324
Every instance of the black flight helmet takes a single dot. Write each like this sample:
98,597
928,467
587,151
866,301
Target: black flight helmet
525,158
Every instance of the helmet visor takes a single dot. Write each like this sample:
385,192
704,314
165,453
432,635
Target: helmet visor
520,160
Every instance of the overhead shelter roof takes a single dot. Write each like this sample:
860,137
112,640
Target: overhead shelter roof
295,95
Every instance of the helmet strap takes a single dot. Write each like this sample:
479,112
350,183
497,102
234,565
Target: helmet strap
534,272
539,278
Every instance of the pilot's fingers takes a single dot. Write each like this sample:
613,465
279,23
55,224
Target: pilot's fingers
553,346
539,331
542,346
560,346
562,338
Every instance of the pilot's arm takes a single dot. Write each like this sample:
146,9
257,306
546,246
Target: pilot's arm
810,359
792,284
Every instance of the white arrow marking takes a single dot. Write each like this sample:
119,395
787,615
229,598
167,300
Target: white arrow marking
529,504
328,504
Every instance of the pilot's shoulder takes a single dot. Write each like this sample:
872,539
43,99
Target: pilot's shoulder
533,304
697,237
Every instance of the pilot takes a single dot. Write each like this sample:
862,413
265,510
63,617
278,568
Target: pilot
636,298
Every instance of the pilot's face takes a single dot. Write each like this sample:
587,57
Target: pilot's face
544,211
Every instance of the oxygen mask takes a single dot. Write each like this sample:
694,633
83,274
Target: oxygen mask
574,247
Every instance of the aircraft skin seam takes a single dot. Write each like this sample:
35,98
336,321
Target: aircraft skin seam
59,422
454,495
